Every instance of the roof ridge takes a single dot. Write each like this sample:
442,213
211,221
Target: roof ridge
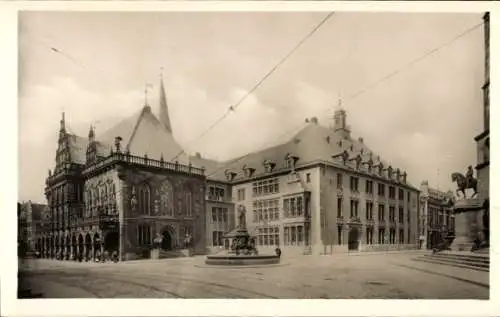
136,126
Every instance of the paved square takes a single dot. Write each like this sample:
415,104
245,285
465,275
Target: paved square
338,277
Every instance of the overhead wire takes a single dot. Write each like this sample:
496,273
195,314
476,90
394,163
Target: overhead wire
233,107
376,83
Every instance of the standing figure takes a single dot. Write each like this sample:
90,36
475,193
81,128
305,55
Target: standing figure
242,217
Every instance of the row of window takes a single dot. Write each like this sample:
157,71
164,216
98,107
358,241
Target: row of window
268,236
266,210
354,186
382,238
147,206
354,204
293,207
265,187
219,215
216,193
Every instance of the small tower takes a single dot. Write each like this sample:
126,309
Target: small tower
340,122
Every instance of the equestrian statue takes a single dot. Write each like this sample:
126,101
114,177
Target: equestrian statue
465,182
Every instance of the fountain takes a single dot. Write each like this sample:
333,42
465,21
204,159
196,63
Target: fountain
243,250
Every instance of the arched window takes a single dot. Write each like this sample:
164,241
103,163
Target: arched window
145,200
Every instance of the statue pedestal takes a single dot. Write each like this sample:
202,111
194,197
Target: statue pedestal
468,225
155,254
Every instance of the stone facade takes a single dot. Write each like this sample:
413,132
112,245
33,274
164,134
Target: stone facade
436,216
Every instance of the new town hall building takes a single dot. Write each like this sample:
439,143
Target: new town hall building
321,192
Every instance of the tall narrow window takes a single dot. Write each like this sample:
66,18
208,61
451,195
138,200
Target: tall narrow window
339,207
145,200
189,204
339,181
339,235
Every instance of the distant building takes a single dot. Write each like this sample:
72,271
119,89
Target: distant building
436,216
30,225
324,192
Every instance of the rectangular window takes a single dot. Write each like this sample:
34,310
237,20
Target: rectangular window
308,177
381,236
392,213
381,190
214,214
369,210
339,181
369,187
293,235
381,212
354,208
300,234
339,207
392,192
401,236
241,194
354,183
401,195
369,234
401,216
286,236
339,235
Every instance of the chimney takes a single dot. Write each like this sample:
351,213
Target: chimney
198,155
361,140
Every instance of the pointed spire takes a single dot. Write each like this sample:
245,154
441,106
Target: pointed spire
63,123
164,118
91,133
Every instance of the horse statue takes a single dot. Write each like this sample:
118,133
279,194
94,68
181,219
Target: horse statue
464,182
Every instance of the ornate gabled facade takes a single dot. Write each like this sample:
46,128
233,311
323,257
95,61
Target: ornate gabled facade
118,194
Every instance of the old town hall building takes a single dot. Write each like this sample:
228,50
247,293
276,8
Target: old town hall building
321,192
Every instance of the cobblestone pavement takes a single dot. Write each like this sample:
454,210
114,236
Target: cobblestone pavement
335,276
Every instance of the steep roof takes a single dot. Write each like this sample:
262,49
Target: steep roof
142,133
312,143
78,148
211,167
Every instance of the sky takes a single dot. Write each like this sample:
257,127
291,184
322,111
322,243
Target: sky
422,120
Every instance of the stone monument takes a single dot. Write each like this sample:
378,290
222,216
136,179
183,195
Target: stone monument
471,216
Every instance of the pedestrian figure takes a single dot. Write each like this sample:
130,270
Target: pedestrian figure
278,251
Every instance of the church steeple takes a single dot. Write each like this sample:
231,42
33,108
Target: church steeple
63,124
164,118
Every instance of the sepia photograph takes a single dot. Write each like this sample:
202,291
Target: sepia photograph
253,155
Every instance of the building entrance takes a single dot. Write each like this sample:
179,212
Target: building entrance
353,241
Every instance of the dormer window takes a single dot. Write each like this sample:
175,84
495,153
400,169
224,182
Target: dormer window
269,166
389,172
398,175
380,169
291,161
230,175
249,171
